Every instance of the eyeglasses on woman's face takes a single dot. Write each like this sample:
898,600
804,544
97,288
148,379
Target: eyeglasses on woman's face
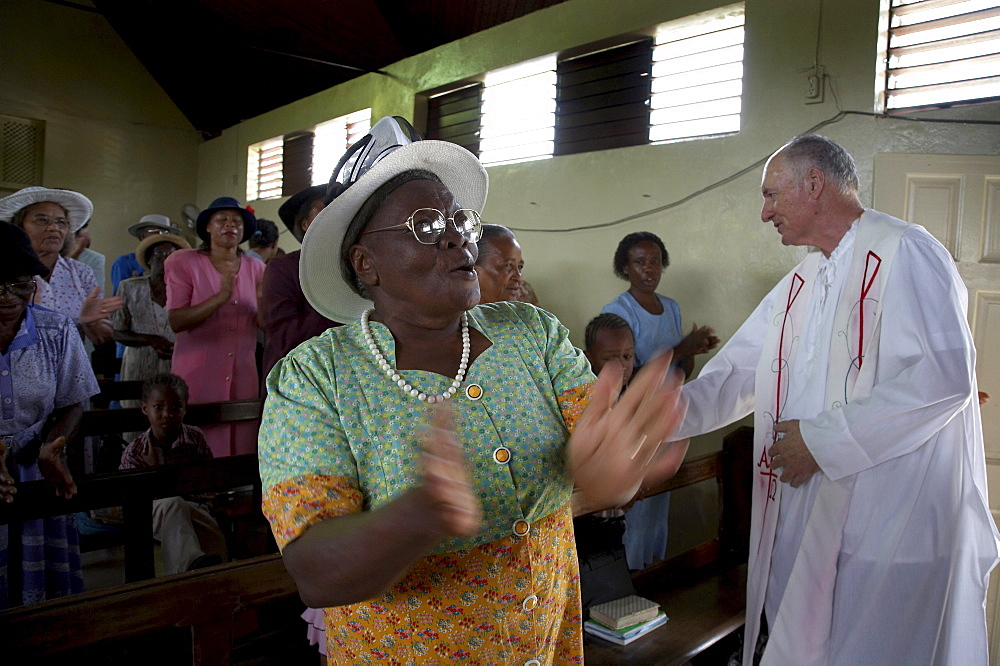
21,288
427,225
41,220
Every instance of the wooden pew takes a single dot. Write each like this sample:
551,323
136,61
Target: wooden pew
202,617
101,422
98,422
134,491
702,590
115,391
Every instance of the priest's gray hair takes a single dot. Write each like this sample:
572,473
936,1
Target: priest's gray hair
812,150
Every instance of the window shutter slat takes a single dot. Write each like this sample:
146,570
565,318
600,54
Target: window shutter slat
939,54
297,164
602,99
455,117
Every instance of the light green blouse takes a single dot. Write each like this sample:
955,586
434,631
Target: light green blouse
332,412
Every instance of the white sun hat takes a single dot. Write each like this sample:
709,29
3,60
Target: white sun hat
391,147
78,207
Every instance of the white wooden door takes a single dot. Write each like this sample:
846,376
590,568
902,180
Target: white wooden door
957,198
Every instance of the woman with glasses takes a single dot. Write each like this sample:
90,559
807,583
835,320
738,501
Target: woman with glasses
418,469
212,295
47,216
45,379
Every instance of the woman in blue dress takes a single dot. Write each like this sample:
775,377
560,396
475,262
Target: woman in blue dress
655,320
44,380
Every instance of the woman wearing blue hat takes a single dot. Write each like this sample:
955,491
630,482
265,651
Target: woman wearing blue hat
212,306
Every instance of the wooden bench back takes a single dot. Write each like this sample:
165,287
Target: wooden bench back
97,422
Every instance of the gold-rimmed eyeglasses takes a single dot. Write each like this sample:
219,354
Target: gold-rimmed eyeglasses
427,225
23,289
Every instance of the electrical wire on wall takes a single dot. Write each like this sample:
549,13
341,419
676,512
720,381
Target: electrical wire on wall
728,179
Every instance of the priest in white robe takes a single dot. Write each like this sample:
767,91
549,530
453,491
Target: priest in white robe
871,540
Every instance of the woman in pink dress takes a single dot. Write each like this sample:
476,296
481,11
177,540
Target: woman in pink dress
212,306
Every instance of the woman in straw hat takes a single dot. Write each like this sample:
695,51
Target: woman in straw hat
142,324
418,468
70,287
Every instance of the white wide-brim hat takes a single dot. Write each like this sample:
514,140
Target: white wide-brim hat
78,207
319,266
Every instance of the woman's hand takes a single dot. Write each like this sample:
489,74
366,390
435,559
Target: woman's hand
164,348
96,308
227,280
7,488
451,502
99,332
700,340
609,453
52,465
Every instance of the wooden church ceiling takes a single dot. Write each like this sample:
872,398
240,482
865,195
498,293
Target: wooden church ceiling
222,61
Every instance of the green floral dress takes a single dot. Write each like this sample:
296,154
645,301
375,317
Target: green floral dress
339,437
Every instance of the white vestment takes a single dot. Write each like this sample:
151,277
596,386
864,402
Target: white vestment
884,555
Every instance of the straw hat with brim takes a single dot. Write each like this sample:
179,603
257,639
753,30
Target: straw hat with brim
19,259
322,280
78,207
222,203
151,220
146,246
290,209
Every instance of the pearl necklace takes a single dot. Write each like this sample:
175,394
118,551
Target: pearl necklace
394,375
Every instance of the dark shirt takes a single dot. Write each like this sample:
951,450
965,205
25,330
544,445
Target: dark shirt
288,318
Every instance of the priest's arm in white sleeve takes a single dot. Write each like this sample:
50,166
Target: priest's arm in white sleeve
724,389
926,367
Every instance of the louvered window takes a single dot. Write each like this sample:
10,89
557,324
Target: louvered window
603,99
941,52
284,165
684,83
21,152
518,112
264,176
455,116
333,138
698,76
296,163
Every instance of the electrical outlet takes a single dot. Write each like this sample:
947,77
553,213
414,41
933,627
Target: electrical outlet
815,83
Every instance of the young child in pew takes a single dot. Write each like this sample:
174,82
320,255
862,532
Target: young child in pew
188,535
600,549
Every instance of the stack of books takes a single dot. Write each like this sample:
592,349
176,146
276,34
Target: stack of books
623,620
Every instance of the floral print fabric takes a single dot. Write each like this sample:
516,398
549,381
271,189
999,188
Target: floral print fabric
338,437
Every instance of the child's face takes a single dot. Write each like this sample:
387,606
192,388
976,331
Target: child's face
613,346
165,411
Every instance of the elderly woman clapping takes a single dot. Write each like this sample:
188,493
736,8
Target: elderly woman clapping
418,467
45,381
47,216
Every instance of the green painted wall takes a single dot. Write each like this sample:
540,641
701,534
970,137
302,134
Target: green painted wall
111,132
